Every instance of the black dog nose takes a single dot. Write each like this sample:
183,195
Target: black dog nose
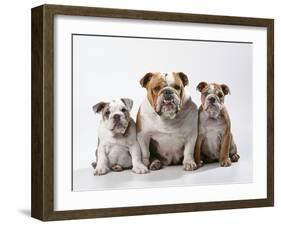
212,100
168,94
116,117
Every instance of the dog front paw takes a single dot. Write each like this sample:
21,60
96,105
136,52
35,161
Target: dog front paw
225,162
140,169
189,165
116,168
100,170
155,165
235,157
200,164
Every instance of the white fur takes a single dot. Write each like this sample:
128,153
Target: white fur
170,79
115,107
171,134
118,149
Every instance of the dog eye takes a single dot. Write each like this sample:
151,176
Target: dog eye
177,87
220,95
107,113
156,89
123,109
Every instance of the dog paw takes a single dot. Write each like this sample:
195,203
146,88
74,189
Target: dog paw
234,158
200,164
189,165
145,161
100,171
225,162
140,169
155,165
116,168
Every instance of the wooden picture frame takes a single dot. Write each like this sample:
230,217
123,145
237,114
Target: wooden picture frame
42,203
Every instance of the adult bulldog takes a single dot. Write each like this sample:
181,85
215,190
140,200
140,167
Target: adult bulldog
167,121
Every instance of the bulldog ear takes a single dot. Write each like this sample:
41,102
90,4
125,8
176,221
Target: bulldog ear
128,103
99,106
201,86
146,79
183,78
225,89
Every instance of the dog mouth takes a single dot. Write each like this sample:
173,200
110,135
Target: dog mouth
117,124
211,106
168,107
212,109
119,127
168,102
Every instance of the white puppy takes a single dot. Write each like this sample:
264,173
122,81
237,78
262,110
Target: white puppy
117,142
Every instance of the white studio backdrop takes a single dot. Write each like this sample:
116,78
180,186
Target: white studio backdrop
107,68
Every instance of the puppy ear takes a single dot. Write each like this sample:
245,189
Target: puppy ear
128,103
183,78
144,81
99,106
225,89
201,86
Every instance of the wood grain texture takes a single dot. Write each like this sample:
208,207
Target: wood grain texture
270,111
37,159
42,203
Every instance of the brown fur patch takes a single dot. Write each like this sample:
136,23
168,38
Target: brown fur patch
226,141
145,79
156,83
181,82
183,77
104,110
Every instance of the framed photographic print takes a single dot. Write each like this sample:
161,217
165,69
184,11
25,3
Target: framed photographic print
141,112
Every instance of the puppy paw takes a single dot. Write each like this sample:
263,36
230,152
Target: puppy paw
140,169
235,157
200,164
145,161
225,162
100,171
189,165
116,168
155,165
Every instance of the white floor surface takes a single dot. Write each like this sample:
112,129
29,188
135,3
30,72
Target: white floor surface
209,174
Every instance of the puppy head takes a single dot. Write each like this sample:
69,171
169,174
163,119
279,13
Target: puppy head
212,97
165,92
115,114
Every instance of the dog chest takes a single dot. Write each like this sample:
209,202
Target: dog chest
169,147
212,130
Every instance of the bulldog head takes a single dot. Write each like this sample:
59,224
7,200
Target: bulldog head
212,97
165,92
115,114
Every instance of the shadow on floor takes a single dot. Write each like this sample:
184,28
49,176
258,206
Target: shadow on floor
25,212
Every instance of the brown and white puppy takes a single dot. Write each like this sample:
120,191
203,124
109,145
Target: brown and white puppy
118,147
167,121
215,141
